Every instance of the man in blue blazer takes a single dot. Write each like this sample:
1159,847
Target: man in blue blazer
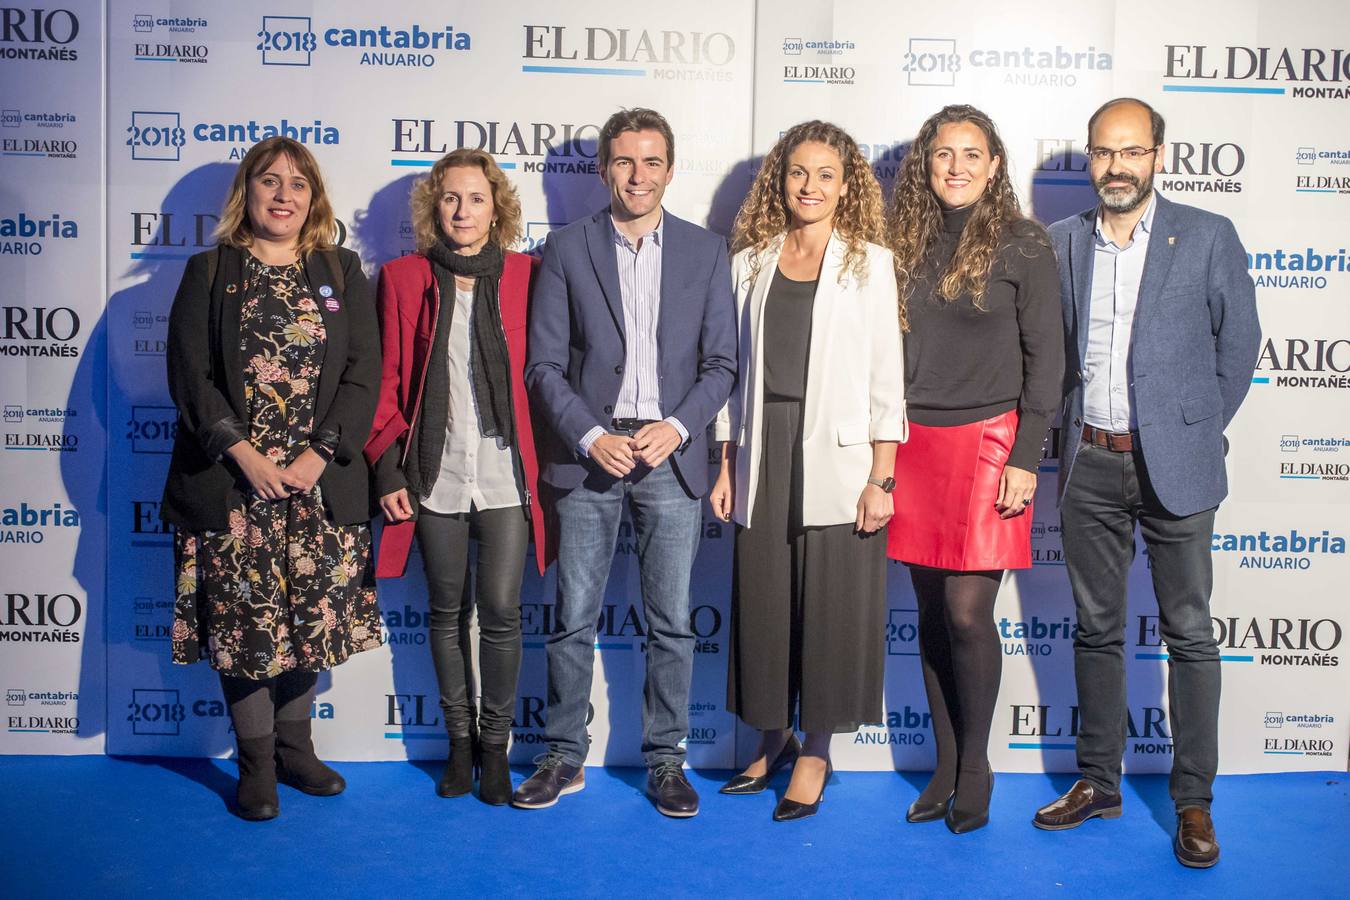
632,352
1161,341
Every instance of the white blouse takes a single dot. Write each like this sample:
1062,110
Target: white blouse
476,471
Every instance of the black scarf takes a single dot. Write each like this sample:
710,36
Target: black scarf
489,366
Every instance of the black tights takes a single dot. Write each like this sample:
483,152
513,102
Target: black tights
257,704
962,660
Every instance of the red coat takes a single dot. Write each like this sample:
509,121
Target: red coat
409,302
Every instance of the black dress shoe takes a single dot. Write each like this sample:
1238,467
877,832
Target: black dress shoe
754,784
788,810
457,777
1195,844
673,793
927,812
1080,803
298,766
550,781
960,821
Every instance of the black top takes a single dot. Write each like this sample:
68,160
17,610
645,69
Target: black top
963,364
787,337
206,381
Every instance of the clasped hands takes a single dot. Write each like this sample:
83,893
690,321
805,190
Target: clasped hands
619,454
271,481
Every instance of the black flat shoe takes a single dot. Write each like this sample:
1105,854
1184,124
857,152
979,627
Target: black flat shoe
928,812
789,810
960,821
754,784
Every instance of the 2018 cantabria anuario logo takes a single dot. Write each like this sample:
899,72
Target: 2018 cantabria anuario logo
169,39
26,133
28,235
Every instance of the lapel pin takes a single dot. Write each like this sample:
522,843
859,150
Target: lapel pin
325,291
1171,240
331,304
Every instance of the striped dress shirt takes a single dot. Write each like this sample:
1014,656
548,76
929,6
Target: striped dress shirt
640,289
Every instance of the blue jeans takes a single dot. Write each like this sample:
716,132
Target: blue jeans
667,522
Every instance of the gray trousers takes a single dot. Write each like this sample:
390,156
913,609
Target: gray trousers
1107,494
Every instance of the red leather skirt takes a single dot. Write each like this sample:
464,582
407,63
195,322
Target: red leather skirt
946,482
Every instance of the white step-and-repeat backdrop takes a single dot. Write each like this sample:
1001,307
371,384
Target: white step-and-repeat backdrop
122,125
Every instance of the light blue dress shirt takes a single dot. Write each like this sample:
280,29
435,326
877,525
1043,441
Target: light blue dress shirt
1108,373
640,289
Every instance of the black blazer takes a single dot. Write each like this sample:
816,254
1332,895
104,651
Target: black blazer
206,382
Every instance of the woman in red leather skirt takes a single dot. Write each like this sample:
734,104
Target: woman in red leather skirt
984,360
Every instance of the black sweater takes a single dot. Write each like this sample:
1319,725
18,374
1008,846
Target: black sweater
963,364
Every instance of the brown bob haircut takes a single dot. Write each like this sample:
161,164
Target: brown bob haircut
319,228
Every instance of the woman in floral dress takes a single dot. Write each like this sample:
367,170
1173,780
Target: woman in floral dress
273,363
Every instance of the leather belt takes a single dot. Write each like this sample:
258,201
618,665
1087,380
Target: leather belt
1116,441
630,426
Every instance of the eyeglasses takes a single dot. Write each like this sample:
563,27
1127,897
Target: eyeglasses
1129,154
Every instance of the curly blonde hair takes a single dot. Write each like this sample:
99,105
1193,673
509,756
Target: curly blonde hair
858,220
320,227
915,215
426,197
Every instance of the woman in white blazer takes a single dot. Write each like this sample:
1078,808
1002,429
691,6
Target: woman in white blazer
809,439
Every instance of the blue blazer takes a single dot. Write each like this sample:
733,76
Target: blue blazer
1194,347
575,359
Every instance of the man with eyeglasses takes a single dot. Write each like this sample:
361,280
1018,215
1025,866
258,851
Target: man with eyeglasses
1161,338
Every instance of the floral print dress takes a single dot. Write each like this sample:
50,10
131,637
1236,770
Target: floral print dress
283,588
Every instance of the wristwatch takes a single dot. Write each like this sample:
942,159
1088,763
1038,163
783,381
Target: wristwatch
887,484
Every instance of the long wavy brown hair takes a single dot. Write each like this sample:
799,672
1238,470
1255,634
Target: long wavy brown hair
915,215
858,220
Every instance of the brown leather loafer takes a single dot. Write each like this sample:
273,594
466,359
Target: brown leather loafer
1195,844
1082,802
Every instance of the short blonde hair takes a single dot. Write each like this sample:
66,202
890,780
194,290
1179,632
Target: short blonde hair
426,196
320,226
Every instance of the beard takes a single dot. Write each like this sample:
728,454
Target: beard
1123,200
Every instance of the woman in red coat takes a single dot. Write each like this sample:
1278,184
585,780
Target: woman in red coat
453,450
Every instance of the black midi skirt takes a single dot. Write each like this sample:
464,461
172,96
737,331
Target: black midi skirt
808,610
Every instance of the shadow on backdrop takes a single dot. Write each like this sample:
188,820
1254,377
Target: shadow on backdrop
140,421
1061,187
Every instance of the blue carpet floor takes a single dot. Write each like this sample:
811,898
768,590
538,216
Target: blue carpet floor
98,827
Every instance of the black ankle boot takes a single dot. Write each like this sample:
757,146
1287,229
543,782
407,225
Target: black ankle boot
297,765
256,796
494,775
457,778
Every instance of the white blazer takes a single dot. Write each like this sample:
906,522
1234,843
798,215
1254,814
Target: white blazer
855,382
